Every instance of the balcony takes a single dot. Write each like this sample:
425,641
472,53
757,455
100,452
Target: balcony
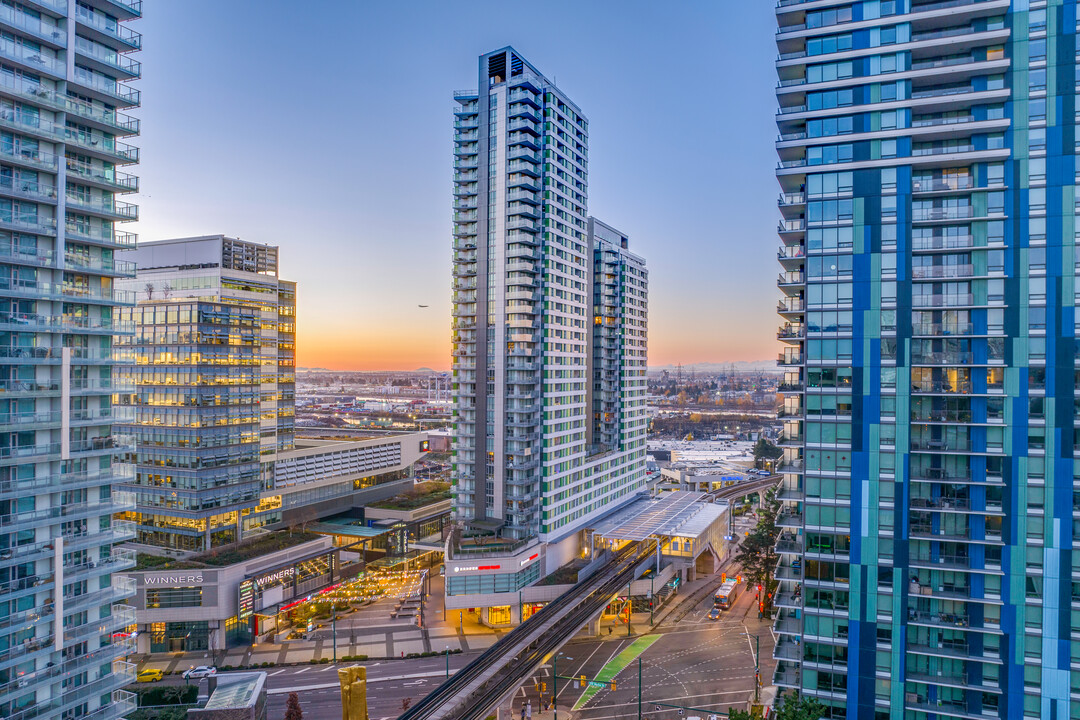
790,359
931,184
106,30
39,27
788,226
786,625
112,150
787,677
106,59
108,179
938,214
953,300
105,89
789,519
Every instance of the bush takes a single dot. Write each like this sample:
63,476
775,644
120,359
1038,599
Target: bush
168,695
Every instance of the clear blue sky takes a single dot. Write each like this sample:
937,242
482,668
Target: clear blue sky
325,128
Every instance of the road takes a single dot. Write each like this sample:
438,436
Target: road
696,662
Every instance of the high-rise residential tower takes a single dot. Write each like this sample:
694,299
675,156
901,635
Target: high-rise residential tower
64,68
214,386
929,564
549,319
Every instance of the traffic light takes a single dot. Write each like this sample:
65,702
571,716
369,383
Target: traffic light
612,684
584,682
723,578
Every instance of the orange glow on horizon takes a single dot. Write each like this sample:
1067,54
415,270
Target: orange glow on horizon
405,352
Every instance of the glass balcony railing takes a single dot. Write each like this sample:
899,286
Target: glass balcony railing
108,26
39,26
108,56
31,57
116,180
107,86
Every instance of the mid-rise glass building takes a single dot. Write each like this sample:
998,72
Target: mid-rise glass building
214,389
64,97
928,169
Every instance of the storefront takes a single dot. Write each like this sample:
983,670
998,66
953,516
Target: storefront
211,608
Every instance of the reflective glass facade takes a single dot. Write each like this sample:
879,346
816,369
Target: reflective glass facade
64,99
928,172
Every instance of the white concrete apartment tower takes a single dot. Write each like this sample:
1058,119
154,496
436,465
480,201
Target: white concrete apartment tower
530,459
64,95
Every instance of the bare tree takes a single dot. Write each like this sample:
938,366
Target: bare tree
149,291
166,290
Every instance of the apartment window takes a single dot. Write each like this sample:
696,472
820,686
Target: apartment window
1037,20
1037,50
830,154
825,18
1037,80
829,184
830,126
1037,139
1037,170
837,238
1037,109
829,71
830,99
828,45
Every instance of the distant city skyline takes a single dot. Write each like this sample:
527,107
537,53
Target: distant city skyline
362,214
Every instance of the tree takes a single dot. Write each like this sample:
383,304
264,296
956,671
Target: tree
765,450
757,552
292,708
794,708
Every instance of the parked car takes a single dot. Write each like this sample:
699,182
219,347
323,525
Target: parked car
202,671
149,675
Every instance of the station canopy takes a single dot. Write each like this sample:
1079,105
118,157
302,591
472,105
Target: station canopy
669,514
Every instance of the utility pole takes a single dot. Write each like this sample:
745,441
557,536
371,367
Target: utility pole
333,628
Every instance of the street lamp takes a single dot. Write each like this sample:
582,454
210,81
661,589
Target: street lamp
555,682
447,662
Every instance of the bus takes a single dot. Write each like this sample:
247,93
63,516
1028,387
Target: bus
725,596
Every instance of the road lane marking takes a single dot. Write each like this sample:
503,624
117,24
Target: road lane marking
324,686
614,666
301,670
278,672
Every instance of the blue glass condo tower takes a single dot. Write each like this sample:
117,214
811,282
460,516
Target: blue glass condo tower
929,563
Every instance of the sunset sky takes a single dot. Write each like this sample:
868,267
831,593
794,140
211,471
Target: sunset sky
329,135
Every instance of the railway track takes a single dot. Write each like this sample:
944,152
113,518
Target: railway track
484,683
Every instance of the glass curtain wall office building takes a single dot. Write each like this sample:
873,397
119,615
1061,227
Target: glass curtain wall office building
214,388
928,262
542,443
64,97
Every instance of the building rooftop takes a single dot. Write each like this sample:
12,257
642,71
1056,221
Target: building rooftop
251,549
236,690
420,495
668,514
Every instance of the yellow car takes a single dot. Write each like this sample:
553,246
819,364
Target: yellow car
149,675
